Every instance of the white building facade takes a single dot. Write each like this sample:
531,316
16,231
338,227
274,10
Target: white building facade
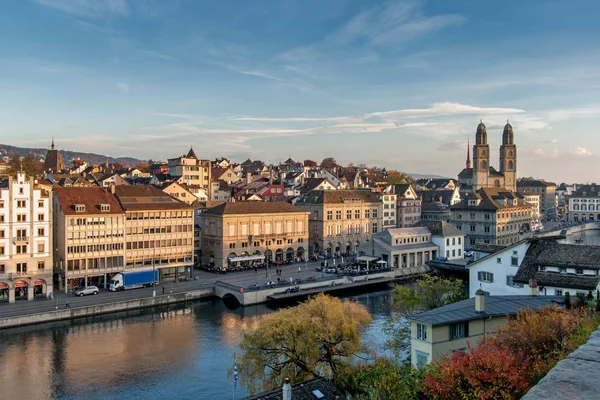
25,240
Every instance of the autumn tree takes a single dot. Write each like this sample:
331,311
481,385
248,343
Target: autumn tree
396,178
329,163
320,337
310,163
28,164
385,378
484,372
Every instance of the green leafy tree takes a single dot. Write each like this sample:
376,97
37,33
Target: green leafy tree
28,164
320,337
386,379
427,293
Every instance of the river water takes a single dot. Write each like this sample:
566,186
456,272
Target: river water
174,352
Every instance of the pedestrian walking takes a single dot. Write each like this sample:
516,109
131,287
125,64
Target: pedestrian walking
163,290
67,305
299,269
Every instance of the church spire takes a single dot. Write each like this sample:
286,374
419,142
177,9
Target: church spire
52,147
468,153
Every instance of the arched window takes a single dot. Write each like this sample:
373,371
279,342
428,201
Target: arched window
583,207
510,153
575,207
511,165
483,165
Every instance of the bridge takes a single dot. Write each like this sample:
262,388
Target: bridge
246,296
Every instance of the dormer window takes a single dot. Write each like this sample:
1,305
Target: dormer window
105,207
79,207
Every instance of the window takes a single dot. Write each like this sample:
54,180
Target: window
448,242
472,228
558,292
374,227
232,245
357,214
459,330
349,214
447,253
22,249
459,252
459,240
79,207
1,250
106,207
1,233
40,217
2,206
486,229
338,215
21,204
453,241
244,244
2,268
499,260
421,331
21,267
41,265
367,213
375,213
483,276
421,359
514,260
562,270
542,268
510,282
579,271
41,203
21,218
329,215
41,232
41,248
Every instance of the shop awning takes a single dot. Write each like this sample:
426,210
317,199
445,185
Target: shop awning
247,258
366,258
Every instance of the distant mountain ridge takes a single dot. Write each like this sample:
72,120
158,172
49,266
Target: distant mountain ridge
68,156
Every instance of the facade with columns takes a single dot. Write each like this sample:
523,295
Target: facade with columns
481,174
25,240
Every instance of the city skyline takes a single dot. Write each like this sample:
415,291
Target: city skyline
408,81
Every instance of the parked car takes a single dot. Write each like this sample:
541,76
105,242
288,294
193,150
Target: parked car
468,253
87,290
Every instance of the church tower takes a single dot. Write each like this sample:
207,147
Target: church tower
508,158
481,158
53,161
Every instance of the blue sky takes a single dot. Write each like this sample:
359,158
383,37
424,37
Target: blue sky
399,84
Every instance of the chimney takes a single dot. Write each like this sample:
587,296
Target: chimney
532,287
479,301
287,390
248,177
112,189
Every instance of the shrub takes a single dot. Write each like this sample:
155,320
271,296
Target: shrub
485,372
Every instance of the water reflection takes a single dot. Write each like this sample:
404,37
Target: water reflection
176,352
589,238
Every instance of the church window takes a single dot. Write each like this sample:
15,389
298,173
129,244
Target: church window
510,153
497,183
511,165
483,165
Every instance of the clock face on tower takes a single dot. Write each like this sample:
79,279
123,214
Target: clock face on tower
497,183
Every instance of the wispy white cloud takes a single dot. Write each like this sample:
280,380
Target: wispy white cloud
443,109
392,23
88,8
296,119
580,151
260,74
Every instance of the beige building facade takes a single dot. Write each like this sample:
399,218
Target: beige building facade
243,233
25,240
159,231
547,193
89,236
191,170
341,220
493,216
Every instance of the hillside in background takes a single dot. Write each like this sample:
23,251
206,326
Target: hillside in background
68,156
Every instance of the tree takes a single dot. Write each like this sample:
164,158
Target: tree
397,178
310,163
484,372
28,164
427,293
320,337
385,379
329,163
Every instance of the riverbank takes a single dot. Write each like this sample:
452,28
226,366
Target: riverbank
107,308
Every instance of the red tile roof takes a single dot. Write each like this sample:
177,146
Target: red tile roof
89,196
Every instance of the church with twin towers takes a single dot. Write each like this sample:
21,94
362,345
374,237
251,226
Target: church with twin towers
481,174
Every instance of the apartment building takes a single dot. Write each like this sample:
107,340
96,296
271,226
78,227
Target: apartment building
547,192
389,201
241,233
159,231
25,240
583,204
408,205
191,170
341,220
89,236
494,216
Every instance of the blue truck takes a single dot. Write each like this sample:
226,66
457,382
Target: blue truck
132,280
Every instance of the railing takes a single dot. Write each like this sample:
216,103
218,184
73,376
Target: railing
21,239
19,274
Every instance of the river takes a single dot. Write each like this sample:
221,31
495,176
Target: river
590,238
176,352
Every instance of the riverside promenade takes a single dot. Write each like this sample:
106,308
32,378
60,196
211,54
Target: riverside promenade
204,285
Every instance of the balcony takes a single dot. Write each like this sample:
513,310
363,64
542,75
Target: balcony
19,274
20,239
